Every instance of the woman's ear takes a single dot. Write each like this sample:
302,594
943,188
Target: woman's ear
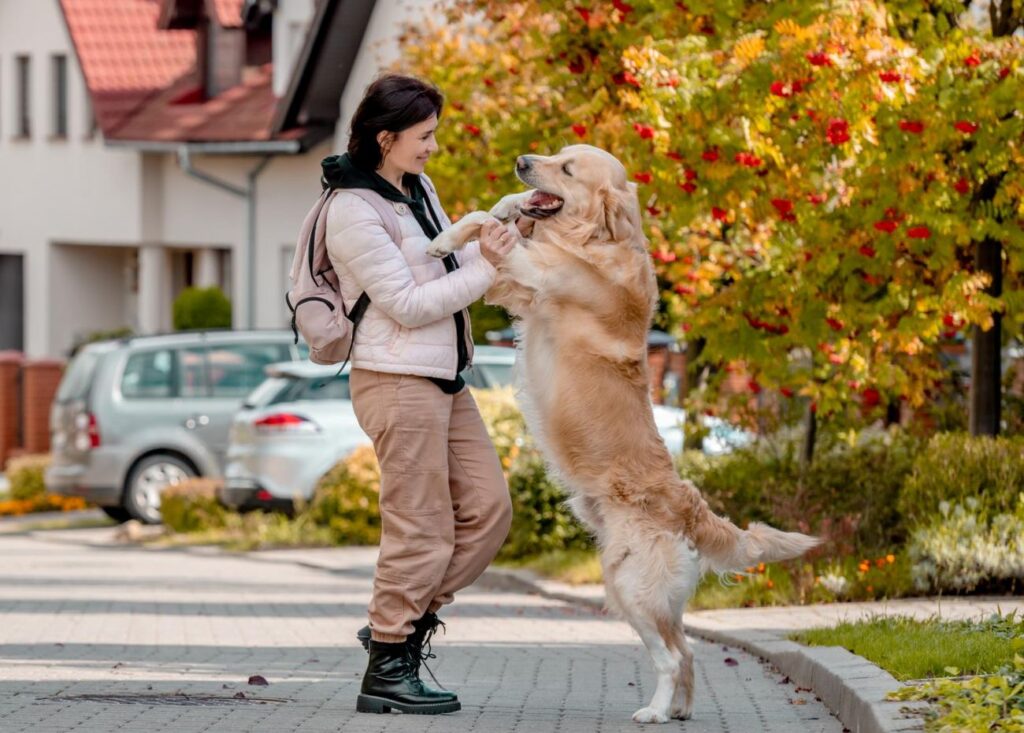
621,213
385,140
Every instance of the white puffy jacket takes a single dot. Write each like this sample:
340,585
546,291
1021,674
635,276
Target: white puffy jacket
409,326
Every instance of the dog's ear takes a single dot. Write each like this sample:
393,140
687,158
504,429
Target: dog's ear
621,212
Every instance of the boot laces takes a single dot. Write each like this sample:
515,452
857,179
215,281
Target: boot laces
425,651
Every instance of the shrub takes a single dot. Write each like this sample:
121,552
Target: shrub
848,494
955,467
92,336
541,520
25,475
966,548
192,506
346,500
201,308
993,702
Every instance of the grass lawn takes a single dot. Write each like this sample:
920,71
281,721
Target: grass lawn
912,650
575,567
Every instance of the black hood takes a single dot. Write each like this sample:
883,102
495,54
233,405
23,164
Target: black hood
340,171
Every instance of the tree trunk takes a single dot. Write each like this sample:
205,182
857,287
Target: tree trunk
986,359
809,437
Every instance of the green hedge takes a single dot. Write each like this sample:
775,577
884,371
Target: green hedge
849,494
201,308
192,506
541,520
346,501
955,467
25,475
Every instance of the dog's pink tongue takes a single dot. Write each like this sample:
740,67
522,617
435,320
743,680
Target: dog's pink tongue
539,198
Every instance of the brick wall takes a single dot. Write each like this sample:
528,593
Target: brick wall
10,432
40,380
663,364
27,389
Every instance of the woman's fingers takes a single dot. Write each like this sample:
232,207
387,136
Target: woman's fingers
496,242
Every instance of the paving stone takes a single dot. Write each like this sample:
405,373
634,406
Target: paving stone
96,638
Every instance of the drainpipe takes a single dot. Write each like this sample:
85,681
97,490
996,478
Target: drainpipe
249,195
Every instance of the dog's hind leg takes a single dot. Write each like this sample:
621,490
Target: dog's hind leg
642,589
689,575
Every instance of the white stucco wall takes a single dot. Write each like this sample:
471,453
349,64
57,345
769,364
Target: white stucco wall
291,21
378,51
69,190
198,214
56,195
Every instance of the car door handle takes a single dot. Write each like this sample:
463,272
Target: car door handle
197,421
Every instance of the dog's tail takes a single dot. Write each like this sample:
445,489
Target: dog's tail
725,547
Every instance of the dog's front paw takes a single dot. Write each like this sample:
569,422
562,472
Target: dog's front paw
509,206
441,246
649,715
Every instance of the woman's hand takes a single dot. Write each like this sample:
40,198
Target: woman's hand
496,241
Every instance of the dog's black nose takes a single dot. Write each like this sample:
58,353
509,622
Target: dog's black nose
522,163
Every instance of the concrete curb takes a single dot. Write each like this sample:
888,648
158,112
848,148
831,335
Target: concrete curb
850,686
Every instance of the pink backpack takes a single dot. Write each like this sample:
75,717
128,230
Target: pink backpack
315,299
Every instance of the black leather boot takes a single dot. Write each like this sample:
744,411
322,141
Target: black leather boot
391,682
423,630
421,627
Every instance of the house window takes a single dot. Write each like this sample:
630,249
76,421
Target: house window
59,65
24,100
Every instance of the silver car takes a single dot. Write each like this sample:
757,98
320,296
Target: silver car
134,415
299,423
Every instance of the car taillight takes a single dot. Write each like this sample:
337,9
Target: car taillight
87,432
264,495
285,422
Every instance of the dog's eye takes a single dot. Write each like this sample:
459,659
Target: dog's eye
566,171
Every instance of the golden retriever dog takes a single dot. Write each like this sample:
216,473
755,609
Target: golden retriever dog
582,291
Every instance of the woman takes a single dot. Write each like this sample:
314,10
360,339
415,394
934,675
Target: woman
444,505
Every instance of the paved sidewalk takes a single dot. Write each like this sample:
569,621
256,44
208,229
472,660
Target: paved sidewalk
97,637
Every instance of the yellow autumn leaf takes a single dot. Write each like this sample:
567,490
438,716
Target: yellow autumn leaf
747,50
787,27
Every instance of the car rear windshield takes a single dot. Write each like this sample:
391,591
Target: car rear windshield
269,391
78,376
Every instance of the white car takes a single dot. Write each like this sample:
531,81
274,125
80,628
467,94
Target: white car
299,423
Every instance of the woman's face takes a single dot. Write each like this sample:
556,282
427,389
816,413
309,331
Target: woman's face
412,147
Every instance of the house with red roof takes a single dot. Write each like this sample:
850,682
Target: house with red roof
151,145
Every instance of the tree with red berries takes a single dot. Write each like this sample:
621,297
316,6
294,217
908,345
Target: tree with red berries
815,177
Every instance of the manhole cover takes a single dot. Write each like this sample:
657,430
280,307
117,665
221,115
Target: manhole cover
177,698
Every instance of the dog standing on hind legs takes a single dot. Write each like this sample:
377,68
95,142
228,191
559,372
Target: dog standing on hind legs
582,292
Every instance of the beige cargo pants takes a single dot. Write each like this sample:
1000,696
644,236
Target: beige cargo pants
444,503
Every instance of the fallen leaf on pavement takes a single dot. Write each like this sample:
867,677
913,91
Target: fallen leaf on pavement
731,662
258,679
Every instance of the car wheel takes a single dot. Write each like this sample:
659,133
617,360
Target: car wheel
117,513
147,481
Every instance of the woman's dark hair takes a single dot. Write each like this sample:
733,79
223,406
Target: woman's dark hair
392,103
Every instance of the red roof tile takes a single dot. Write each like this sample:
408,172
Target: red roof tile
124,58
144,82
243,112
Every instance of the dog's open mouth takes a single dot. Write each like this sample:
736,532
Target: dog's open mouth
541,205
